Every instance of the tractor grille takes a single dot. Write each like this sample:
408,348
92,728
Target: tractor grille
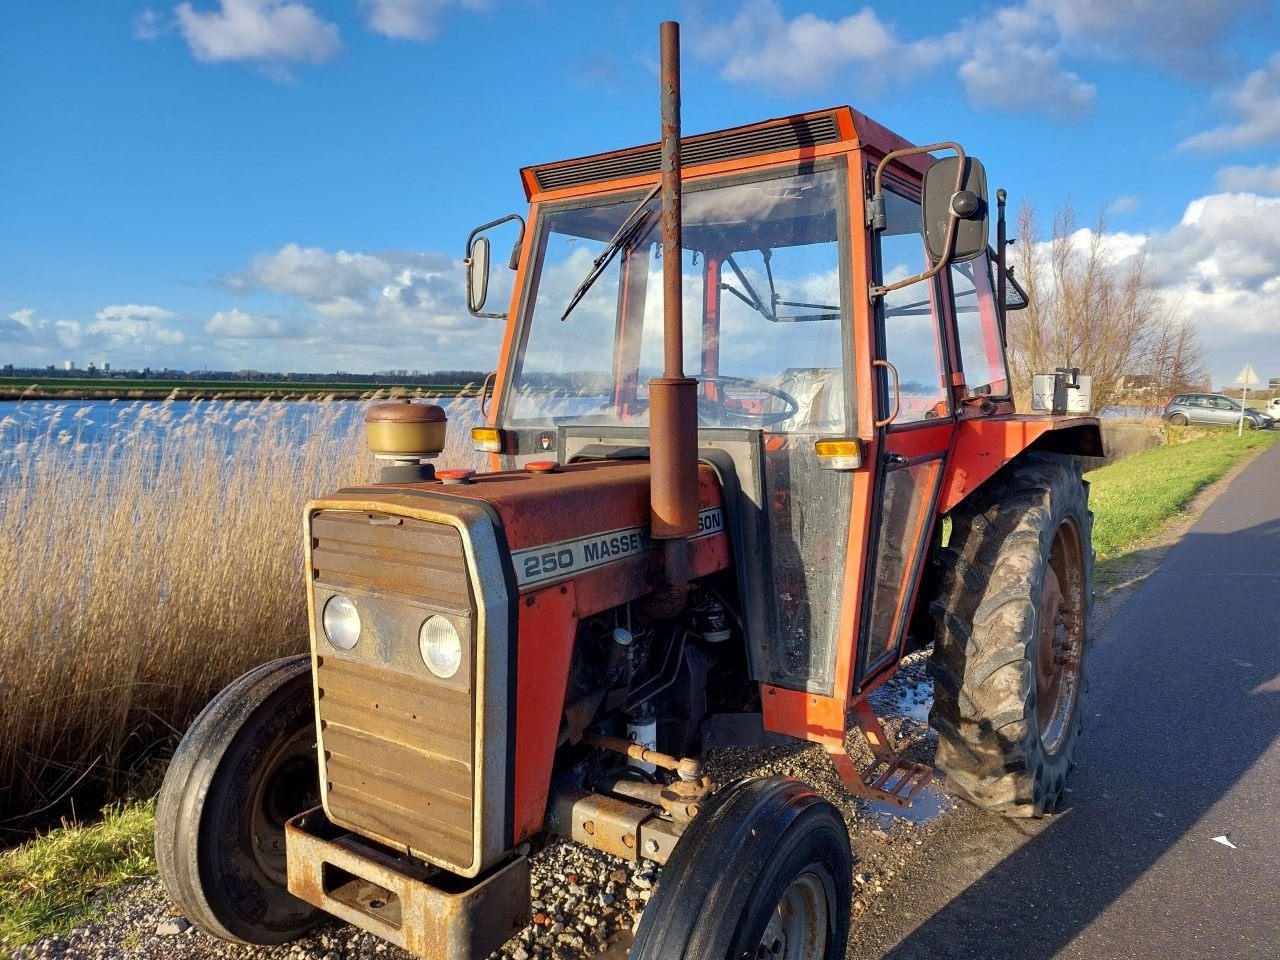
398,743
793,134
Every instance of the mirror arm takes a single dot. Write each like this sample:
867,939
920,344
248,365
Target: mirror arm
1002,271
876,213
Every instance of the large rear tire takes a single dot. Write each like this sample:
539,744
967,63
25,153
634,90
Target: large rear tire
1012,635
246,765
764,871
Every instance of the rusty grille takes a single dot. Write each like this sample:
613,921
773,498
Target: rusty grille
398,743
792,134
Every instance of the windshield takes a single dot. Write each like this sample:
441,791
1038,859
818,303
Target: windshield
763,305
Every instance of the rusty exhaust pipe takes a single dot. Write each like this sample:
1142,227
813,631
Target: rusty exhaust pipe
673,424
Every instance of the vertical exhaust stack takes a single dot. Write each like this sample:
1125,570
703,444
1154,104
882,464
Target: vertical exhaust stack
673,424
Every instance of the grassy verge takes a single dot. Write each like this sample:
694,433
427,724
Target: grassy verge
46,884
1134,498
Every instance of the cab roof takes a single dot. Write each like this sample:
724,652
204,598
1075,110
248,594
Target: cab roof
799,137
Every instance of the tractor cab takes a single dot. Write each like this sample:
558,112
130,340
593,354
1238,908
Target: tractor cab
827,402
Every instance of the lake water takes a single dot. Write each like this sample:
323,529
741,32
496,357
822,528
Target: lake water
90,433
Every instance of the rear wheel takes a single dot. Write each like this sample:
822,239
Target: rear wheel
1178,419
763,872
246,765
1009,658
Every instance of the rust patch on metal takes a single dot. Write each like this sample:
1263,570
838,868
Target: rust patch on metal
596,821
431,913
889,777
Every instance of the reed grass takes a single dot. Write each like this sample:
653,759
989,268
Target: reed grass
141,575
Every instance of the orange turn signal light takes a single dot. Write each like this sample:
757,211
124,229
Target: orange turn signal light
487,439
844,454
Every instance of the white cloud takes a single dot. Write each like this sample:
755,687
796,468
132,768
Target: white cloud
149,25
1007,60
1020,56
1225,242
385,307
17,327
411,19
237,325
1025,79
1221,265
1181,35
132,311
127,325
760,45
1123,205
1262,179
273,32
1257,107
313,274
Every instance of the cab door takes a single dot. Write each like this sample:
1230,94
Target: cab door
914,430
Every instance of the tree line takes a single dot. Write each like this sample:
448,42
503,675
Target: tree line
1097,307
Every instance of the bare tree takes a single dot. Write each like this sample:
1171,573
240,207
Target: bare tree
1093,308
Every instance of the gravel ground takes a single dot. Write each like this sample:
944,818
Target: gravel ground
585,903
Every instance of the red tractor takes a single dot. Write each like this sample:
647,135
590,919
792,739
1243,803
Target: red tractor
660,563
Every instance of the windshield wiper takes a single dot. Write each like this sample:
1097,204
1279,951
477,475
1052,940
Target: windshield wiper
631,227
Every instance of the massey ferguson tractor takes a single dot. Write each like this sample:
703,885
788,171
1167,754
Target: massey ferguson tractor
752,440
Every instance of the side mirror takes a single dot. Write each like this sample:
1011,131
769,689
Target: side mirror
477,261
955,190
478,274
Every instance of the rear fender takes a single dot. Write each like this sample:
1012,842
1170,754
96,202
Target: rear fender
983,446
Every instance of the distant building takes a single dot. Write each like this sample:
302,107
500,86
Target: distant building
68,365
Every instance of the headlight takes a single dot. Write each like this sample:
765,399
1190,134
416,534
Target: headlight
341,622
440,646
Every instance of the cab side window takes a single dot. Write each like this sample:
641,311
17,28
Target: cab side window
981,351
909,315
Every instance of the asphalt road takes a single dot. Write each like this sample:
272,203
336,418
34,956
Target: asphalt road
1181,745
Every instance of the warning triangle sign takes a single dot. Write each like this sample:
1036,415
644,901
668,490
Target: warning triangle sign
1247,376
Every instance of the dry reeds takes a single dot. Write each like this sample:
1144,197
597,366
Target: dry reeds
141,574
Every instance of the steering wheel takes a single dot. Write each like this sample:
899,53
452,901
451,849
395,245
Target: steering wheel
751,417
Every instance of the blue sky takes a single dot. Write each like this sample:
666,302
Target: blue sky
287,184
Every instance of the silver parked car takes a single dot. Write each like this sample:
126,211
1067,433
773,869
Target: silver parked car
1214,408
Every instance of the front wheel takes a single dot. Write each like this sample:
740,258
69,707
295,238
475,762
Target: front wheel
764,871
246,765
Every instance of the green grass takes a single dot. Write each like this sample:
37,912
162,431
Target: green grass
46,884
1134,498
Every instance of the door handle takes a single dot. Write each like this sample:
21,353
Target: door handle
896,394
891,458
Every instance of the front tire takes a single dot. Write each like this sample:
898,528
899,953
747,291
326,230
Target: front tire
1013,615
764,871
246,765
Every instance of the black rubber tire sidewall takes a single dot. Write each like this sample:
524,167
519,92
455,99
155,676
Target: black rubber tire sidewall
202,830
730,869
978,654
